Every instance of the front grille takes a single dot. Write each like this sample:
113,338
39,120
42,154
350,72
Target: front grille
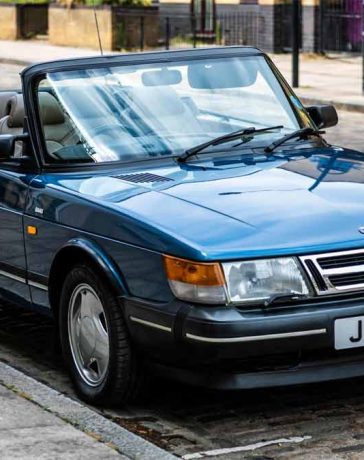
336,272
346,260
349,279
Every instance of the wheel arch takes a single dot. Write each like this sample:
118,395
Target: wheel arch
80,250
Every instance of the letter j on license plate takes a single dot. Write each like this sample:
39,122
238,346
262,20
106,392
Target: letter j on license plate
349,333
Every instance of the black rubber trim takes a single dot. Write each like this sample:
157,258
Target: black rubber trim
22,273
179,322
316,275
12,270
36,278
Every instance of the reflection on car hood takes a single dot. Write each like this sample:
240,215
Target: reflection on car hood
242,207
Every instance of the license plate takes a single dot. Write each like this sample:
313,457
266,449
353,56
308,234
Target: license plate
349,333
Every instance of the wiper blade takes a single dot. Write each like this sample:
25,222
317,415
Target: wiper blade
222,139
300,134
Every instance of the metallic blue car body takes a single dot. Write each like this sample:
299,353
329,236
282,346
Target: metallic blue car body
218,209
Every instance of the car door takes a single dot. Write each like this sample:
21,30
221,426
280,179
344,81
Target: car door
13,194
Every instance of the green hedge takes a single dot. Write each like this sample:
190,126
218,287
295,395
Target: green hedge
118,2
22,2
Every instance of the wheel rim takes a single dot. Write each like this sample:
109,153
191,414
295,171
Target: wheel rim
88,334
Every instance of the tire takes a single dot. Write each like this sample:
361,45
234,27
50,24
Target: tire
95,343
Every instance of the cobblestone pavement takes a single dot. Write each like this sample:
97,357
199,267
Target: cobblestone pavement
321,421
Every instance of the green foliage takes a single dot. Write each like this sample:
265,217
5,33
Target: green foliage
22,2
128,3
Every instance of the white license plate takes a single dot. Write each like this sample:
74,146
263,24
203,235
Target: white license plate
349,333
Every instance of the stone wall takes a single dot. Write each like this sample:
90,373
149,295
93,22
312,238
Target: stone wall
76,27
120,28
9,27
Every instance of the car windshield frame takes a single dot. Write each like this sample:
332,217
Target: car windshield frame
34,74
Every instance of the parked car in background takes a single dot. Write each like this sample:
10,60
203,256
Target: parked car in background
179,213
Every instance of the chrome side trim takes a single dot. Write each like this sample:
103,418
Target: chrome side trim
150,324
254,338
13,277
326,273
38,285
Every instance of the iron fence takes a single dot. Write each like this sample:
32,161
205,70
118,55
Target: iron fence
184,31
341,25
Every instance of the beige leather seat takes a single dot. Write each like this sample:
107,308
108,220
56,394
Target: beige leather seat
13,121
58,131
5,97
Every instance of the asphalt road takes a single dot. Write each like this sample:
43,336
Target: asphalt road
321,421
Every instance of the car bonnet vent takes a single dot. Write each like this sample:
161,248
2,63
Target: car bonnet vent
143,178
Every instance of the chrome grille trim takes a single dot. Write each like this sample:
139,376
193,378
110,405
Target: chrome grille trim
329,275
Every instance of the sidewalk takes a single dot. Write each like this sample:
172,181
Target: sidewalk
38,422
29,432
334,79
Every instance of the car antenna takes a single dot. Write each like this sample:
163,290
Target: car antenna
97,28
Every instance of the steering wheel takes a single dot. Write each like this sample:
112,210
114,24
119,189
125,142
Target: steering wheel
106,128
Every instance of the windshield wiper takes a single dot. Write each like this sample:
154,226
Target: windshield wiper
226,138
300,134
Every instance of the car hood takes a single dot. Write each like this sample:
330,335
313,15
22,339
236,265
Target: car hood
242,206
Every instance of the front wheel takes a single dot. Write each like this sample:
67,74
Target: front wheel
95,342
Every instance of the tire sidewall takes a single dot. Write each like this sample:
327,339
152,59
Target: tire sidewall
84,275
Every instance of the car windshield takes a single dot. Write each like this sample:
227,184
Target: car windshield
137,112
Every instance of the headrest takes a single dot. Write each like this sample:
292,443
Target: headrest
5,97
16,111
50,110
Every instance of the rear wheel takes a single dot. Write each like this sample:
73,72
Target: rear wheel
95,342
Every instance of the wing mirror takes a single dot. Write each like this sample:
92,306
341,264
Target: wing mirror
7,144
324,116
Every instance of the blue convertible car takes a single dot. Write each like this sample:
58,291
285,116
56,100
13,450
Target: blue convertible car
179,213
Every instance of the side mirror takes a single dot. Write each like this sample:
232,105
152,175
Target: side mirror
324,116
7,144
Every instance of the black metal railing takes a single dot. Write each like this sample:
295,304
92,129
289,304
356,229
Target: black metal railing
341,25
185,31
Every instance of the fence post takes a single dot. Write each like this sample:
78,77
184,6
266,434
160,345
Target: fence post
321,49
362,45
295,42
168,32
141,33
194,38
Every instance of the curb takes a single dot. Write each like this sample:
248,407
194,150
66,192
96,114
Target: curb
348,107
128,444
15,62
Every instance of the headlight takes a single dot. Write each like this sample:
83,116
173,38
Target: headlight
196,282
235,282
258,280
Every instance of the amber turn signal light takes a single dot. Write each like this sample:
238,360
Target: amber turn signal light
199,274
32,230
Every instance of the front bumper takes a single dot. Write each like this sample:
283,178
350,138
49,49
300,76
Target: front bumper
224,347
